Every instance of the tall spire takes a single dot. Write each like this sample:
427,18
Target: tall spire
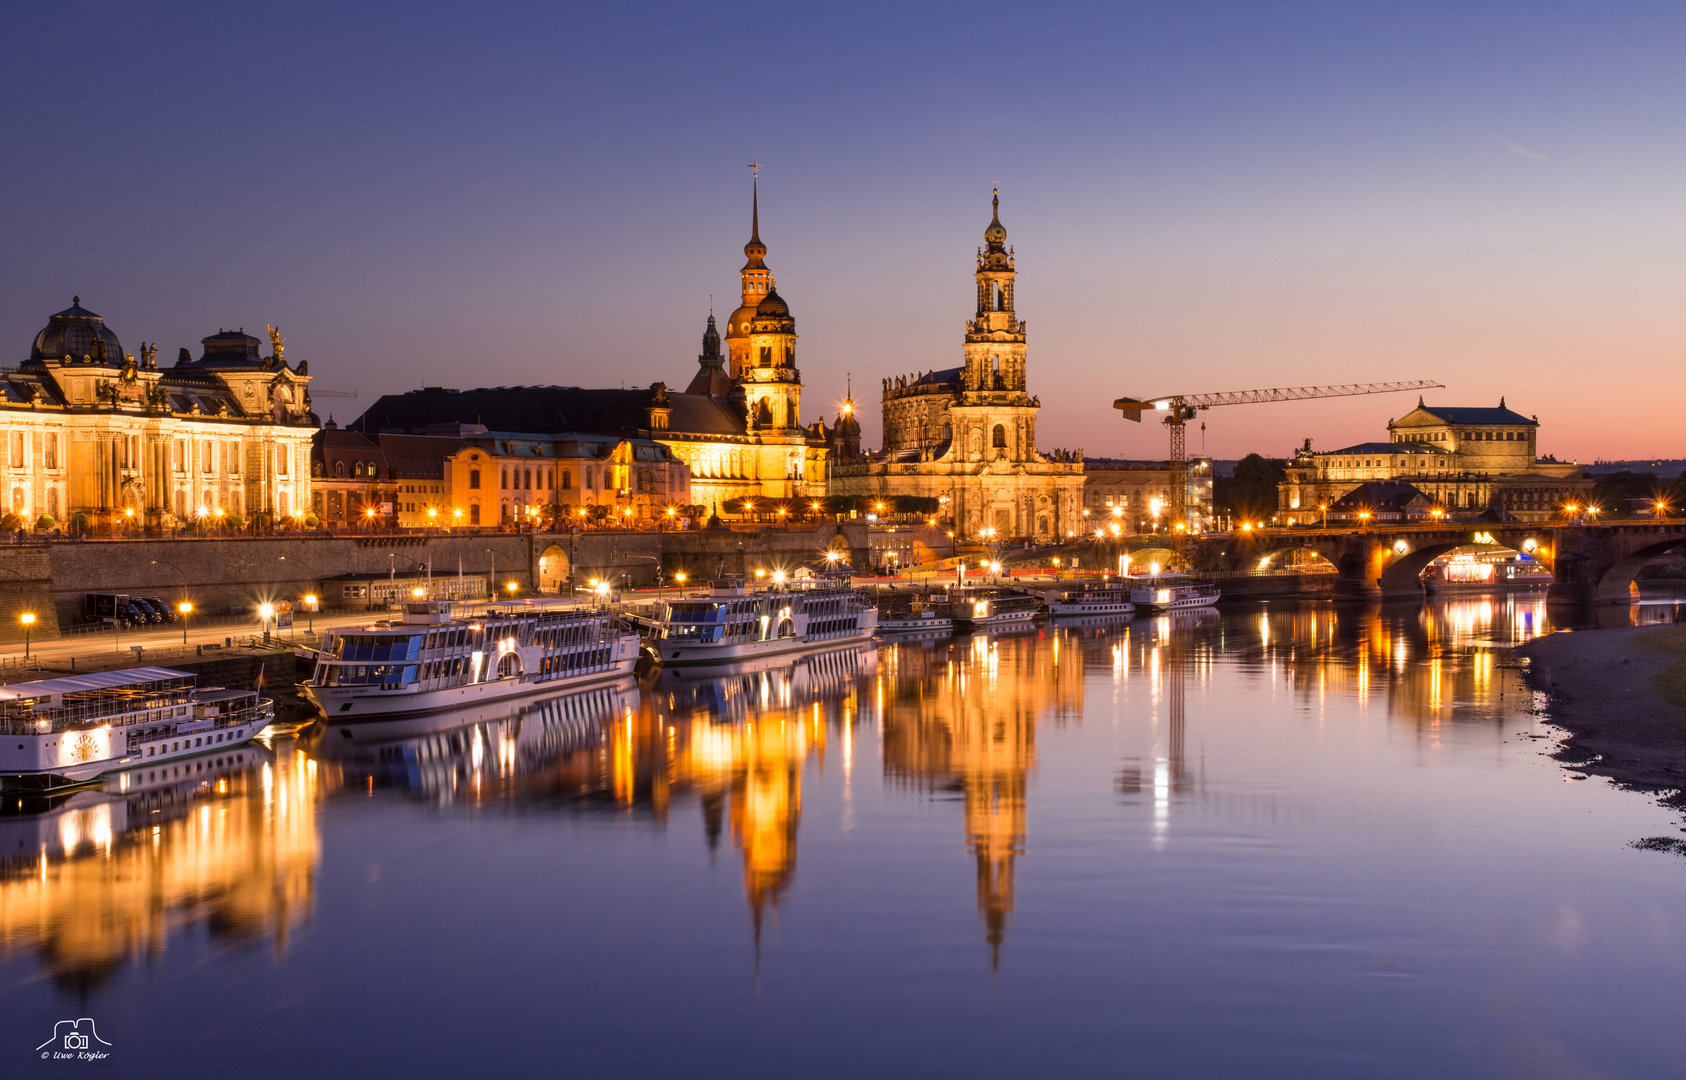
755,250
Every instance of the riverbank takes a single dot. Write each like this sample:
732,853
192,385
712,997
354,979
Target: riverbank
1621,695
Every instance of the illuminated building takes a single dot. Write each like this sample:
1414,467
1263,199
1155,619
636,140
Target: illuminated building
1463,459
736,427
90,429
968,434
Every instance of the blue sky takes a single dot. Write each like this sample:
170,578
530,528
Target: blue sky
1202,196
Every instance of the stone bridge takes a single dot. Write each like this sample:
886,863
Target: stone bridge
1589,563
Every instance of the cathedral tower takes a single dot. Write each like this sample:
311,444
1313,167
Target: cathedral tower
995,337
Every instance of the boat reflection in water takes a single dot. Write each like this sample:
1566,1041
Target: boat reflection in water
93,879
961,717
734,737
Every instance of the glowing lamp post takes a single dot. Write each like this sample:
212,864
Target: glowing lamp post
28,620
186,609
265,613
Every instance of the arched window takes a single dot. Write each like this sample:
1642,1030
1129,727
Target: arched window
567,480
503,479
474,514
1000,436
474,481
339,468
356,468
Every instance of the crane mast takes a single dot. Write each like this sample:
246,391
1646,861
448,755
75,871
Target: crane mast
1181,408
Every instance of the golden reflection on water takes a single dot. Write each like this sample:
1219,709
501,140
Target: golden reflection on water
961,718
107,875
93,881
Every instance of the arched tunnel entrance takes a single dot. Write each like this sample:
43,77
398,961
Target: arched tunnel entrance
553,570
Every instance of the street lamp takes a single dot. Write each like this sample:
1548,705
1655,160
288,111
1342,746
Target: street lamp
265,612
512,587
186,609
28,620
310,612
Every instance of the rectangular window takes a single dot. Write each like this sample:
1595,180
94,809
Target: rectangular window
281,462
181,455
207,460
51,450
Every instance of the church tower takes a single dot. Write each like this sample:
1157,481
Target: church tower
761,341
995,337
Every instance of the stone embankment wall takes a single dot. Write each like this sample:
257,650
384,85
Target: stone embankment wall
224,576
26,585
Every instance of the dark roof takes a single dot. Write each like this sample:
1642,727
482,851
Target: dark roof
1379,495
932,378
1460,415
1387,448
550,410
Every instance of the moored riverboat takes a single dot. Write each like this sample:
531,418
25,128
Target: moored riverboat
736,623
1167,595
78,729
1105,598
432,660
988,608
1476,572
923,615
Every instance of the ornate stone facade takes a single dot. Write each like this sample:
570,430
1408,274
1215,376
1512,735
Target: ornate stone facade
92,430
1463,459
967,435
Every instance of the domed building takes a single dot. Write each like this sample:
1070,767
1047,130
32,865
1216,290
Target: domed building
91,429
967,435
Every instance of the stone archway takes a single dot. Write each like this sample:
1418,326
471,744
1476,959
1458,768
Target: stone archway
1620,584
554,567
1403,575
509,666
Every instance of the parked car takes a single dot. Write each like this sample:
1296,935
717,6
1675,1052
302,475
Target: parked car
164,609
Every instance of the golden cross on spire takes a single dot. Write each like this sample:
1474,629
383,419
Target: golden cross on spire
755,169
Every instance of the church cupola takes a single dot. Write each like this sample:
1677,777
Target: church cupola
710,357
756,280
995,336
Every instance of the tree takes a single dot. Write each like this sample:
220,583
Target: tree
45,522
11,523
1250,492
1613,494
80,522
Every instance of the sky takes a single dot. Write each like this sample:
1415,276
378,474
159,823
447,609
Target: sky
1203,197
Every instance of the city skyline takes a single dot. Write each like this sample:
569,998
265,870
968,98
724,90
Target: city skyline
1213,199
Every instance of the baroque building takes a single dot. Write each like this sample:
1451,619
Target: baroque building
967,435
90,429
1462,459
736,427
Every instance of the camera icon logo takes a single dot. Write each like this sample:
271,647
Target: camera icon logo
78,1036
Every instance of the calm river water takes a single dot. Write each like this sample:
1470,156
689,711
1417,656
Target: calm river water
1287,840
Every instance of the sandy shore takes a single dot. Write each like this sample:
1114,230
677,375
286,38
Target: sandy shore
1601,689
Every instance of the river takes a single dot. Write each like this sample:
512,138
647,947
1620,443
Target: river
1290,839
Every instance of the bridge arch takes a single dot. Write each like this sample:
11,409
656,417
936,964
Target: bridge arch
1402,574
1281,557
1620,583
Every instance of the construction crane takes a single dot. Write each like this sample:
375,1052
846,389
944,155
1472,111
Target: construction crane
1181,408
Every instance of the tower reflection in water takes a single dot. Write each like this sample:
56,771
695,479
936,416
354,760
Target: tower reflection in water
106,875
735,739
960,716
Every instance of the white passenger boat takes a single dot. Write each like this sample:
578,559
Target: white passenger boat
1164,595
986,608
1105,598
433,660
76,729
736,623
